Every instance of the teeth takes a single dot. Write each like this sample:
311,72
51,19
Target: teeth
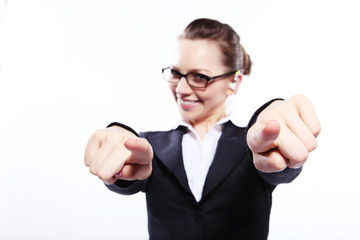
186,102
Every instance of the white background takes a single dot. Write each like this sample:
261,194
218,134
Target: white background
69,67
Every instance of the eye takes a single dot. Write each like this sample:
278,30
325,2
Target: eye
198,78
175,74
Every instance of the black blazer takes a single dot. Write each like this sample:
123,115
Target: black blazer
236,198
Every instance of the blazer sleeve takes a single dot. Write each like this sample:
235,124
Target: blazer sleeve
274,178
123,186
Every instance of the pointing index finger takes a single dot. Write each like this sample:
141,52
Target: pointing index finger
262,139
141,150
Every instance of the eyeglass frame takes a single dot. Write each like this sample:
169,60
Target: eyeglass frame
207,78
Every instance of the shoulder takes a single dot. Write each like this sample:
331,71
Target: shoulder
150,134
233,129
163,136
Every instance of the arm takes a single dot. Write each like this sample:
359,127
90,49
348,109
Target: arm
281,138
118,153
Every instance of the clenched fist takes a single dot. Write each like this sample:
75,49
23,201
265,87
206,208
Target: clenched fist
284,134
116,153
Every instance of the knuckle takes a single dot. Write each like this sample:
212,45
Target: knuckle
304,157
312,146
300,97
149,150
286,111
93,171
266,116
262,165
87,162
258,164
271,163
104,176
99,134
279,164
300,159
316,130
114,137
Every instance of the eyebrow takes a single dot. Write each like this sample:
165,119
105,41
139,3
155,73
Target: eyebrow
194,70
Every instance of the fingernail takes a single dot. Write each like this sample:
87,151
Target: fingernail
118,175
131,139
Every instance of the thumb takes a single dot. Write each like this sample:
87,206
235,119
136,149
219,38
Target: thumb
141,151
262,138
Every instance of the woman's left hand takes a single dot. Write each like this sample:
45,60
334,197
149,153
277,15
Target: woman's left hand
284,134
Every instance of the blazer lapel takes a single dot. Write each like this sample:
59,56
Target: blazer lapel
167,147
229,153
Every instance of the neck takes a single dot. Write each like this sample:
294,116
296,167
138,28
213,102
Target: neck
203,126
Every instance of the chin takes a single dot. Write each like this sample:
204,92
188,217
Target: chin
187,117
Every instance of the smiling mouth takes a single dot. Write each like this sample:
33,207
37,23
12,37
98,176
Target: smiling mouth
187,103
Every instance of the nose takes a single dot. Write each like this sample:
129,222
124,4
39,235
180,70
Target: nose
183,87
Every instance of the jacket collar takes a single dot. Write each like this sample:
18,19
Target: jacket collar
229,152
167,147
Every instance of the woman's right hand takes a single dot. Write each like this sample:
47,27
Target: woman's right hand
116,153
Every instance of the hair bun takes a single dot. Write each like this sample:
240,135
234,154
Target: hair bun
247,63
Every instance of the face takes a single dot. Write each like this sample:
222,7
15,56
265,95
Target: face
205,57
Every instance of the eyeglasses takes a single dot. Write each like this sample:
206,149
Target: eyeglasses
195,80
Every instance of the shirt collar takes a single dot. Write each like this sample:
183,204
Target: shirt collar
220,123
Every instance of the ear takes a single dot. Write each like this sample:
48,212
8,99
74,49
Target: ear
234,86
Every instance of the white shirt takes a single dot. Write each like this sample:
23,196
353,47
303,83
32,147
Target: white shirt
198,154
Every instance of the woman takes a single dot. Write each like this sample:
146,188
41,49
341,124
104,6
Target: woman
207,178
